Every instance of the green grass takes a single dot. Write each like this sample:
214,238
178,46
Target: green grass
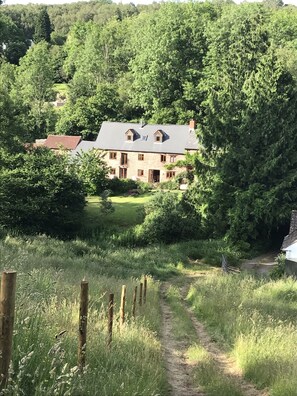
127,213
48,286
205,372
256,320
61,88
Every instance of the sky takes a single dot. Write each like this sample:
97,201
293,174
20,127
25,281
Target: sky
115,1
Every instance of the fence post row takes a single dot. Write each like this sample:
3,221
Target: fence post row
123,302
7,307
110,319
83,317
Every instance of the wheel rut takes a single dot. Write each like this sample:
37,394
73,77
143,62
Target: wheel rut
179,369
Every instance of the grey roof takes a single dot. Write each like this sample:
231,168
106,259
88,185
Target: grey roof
84,145
292,237
177,138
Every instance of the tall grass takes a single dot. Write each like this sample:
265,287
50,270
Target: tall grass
46,325
256,320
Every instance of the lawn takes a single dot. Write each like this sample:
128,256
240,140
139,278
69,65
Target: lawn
127,213
61,88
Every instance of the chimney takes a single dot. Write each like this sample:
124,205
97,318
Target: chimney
192,125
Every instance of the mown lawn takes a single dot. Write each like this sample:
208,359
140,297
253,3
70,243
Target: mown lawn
127,213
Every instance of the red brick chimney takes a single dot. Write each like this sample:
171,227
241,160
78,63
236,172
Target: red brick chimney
192,124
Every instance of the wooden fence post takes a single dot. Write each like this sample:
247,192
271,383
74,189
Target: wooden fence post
83,317
145,289
123,302
110,319
7,306
140,294
134,302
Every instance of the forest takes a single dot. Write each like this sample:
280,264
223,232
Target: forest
230,67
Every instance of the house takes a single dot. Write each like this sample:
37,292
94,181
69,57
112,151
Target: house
289,246
58,143
140,151
62,142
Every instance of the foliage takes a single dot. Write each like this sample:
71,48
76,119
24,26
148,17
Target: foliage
85,115
40,193
42,27
167,221
106,203
121,186
13,42
279,271
248,127
92,171
34,83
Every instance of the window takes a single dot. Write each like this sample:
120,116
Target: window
158,138
140,157
170,174
129,137
112,171
172,158
112,155
140,172
163,158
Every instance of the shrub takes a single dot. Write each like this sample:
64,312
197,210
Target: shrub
121,186
40,193
167,221
279,271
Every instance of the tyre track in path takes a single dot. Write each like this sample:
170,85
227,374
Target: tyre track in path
177,366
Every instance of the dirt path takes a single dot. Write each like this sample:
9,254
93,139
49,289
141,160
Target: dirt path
179,370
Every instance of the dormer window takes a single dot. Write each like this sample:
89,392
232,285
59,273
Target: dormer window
159,136
130,135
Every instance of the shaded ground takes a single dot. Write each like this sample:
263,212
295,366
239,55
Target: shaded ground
261,265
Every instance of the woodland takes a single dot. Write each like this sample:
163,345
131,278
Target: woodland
230,67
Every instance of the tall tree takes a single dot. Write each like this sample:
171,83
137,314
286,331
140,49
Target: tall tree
35,81
248,129
43,28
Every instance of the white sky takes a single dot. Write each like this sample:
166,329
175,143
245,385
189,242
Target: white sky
115,1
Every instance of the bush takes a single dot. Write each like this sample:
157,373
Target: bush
279,271
40,193
121,186
166,220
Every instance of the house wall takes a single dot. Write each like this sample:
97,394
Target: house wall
151,161
291,268
291,252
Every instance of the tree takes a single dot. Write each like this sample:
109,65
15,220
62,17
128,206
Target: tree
85,116
35,81
248,130
92,170
13,42
42,29
40,193
168,61
12,132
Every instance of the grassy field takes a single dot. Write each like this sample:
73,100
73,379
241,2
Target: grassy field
255,320
127,213
252,319
48,286
61,88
